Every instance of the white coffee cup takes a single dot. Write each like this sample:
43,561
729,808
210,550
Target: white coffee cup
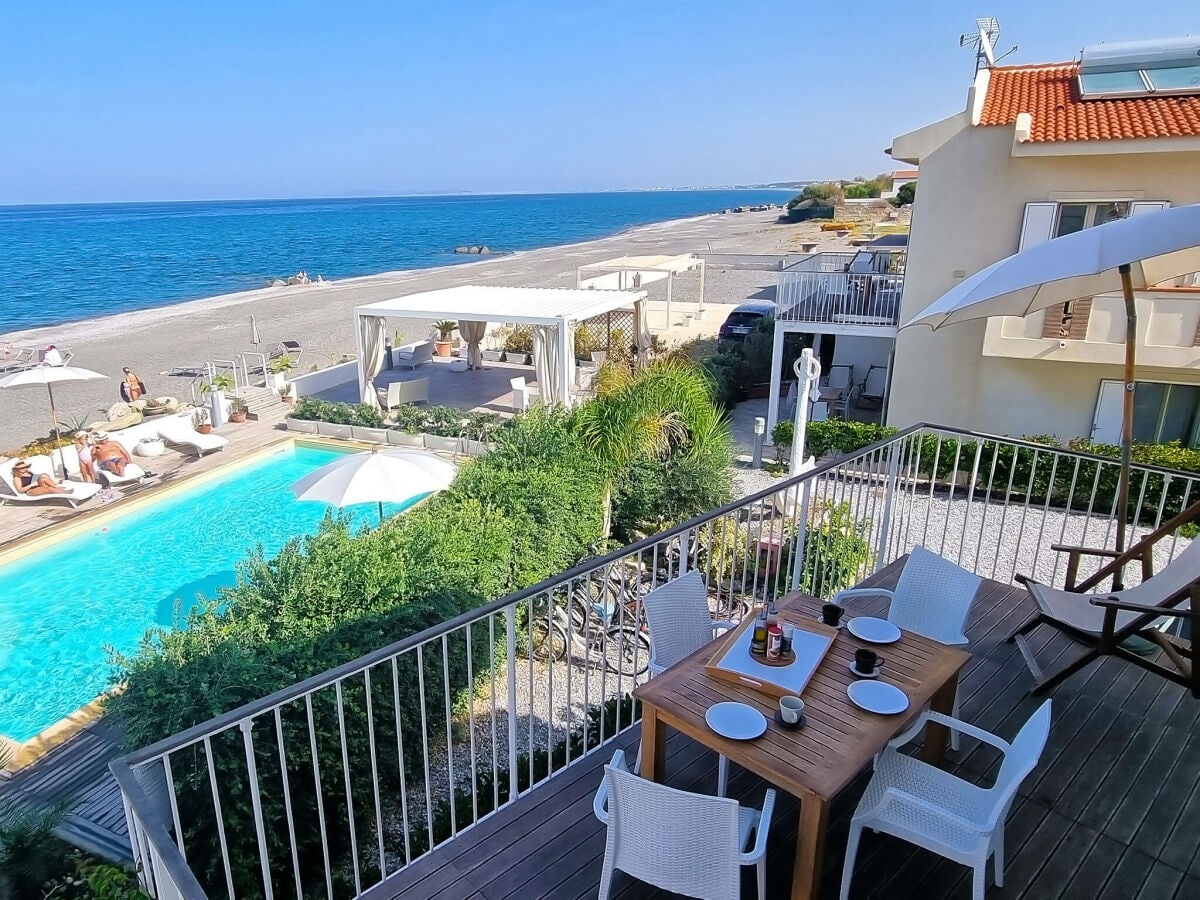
790,709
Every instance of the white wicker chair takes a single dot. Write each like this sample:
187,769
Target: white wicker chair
678,841
933,598
941,812
680,624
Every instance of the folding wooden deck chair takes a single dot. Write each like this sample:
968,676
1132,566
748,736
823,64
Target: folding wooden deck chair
1102,621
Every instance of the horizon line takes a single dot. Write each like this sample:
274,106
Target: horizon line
401,196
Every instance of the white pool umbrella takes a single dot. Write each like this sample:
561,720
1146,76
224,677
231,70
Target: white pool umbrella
388,476
1127,255
48,376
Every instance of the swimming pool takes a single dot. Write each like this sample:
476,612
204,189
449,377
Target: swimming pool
62,605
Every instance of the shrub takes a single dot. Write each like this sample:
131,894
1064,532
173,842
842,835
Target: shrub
313,409
783,435
906,194
841,436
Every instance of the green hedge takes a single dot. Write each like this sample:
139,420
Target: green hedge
446,421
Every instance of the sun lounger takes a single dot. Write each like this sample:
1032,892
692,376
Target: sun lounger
66,467
1101,621
41,465
178,430
22,359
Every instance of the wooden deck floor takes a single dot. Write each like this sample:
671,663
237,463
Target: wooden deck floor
77,773
1113,811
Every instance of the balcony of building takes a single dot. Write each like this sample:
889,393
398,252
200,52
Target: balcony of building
461,762
1093,330
855,292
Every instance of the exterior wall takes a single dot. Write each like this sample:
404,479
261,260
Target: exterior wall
861,353
967,215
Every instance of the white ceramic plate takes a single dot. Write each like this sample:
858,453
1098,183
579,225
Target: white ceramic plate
736,721
873,631
878,697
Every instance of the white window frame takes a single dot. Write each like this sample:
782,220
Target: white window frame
1193,437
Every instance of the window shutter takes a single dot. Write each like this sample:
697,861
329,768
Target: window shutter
1038,225
1067,321
1147,206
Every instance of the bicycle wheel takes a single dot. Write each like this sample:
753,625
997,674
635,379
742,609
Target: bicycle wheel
547,641
626,650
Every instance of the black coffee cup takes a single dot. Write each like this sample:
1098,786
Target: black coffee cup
866,662
831,614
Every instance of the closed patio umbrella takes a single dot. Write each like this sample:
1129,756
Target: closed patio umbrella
387,476
49,376
1127,255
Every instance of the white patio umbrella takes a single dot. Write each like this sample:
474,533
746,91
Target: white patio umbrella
387,476
49,376
1127,255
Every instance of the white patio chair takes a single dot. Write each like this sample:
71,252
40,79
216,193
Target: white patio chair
931,808
520,394
932,597
680,624
678,841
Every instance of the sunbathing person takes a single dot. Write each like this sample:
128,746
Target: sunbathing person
34,485
109,455
83,449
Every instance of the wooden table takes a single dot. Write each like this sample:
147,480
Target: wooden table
836,743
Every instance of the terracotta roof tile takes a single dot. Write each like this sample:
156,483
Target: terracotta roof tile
1050,94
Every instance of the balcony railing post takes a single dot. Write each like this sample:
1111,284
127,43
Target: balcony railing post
510,624
247,726
889,491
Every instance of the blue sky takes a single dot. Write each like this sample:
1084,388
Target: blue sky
174,100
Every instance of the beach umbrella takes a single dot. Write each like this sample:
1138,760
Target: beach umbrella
49,376
1126,255
254,338
387,476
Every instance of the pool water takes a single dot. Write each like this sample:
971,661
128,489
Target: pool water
61,606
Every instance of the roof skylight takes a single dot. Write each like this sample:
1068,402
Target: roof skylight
1140,68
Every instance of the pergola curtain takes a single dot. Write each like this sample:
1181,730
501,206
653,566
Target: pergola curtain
372,334
472,332
641,326
545,362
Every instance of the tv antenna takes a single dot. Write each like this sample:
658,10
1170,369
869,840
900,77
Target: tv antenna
984,39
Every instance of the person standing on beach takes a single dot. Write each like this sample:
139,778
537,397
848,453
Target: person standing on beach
132,387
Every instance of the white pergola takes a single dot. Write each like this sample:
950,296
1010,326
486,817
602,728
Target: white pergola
623,273
553,312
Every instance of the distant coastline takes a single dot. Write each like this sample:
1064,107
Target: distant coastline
70,263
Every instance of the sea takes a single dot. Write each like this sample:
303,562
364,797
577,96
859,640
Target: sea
67,263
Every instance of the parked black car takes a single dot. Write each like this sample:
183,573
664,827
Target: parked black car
742,320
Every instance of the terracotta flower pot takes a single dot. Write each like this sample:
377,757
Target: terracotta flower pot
204,429
443,347
238,417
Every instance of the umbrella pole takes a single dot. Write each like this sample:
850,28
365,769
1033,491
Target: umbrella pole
1126,412
54,420
380,512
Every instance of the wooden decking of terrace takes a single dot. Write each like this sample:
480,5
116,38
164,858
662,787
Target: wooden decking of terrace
1113,811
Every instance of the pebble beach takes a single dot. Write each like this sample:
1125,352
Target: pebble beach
319,316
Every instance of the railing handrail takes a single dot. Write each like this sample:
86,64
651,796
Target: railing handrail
183,879
354,666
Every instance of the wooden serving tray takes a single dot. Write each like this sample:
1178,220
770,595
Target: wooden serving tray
733,662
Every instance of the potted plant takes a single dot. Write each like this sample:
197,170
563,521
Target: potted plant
200,421
445,331
237,410
285,393
277,371
518,345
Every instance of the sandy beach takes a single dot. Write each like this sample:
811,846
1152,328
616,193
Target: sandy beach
319,316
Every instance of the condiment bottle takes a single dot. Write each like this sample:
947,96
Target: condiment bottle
758,643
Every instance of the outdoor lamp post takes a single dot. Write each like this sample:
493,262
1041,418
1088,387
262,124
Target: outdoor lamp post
808,371
760,430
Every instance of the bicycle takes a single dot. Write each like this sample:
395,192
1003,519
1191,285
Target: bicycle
577,623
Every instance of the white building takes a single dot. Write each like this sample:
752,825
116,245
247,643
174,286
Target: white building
1038,152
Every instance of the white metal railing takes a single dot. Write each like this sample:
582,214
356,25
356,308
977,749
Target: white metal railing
332,786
